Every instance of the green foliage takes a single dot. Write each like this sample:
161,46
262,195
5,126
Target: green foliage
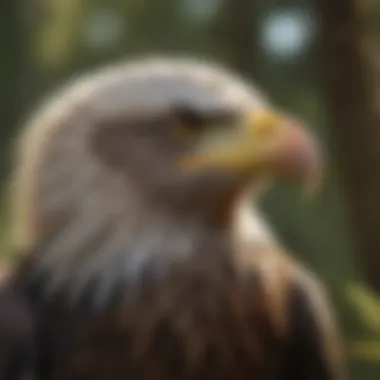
366,304
56,38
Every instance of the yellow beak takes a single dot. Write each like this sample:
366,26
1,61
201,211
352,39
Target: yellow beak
265,143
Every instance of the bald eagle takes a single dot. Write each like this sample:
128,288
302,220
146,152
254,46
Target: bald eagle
140,259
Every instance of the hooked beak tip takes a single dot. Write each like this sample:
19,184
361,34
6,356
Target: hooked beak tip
298,154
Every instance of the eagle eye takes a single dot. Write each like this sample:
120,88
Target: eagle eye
190,119
198,120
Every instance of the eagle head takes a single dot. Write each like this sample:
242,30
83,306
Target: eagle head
138,159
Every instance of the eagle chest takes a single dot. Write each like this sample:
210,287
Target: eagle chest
193,324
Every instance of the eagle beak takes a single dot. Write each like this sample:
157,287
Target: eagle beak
293,152
266,143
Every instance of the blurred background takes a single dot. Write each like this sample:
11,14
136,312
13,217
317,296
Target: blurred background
317,59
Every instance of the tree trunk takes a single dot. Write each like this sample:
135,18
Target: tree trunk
350,90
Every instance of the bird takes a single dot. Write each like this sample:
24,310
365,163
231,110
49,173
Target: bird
141,256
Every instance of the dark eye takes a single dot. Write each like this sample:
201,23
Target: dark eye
190,118
197,120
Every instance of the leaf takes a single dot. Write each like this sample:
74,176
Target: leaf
366,350
367,305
